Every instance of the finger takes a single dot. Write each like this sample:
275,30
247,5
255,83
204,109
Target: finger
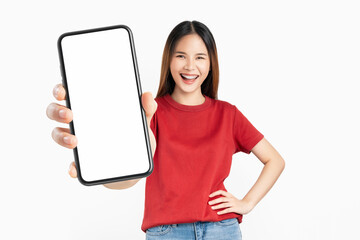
59,92
63,137
223,205
59,113
219,200
149,105
72,170
227,210
220,192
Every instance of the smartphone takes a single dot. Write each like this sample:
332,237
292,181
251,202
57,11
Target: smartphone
101,78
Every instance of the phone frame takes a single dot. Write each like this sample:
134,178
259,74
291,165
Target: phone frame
138,84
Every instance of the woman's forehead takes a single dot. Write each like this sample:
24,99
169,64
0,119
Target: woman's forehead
192,43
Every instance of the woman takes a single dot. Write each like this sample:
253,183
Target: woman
194,135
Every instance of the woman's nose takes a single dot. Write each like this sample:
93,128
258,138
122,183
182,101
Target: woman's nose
190,65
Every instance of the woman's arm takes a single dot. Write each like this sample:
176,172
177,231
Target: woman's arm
274,164
122,185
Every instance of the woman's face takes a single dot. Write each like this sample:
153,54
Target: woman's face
190,64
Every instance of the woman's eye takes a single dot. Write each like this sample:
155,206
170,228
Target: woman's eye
180,56
201,58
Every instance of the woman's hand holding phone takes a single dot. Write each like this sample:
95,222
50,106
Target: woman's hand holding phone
63,114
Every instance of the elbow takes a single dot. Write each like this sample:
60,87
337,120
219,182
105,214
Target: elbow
277,162
282,164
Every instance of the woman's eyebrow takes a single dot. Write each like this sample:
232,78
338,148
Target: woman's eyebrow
180,52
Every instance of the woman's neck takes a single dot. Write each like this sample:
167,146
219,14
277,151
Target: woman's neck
190,99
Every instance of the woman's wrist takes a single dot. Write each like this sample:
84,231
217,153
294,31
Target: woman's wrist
250,202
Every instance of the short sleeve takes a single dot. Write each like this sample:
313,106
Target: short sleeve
246,136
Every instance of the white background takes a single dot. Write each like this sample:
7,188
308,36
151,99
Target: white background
291,67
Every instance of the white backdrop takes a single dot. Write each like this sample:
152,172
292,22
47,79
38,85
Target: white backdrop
291,67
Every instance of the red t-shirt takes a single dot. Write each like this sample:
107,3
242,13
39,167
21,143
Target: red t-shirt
192,159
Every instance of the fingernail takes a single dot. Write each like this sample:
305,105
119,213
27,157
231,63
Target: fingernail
70,167
67,140
62,113
57,90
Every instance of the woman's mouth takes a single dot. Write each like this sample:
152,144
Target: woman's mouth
189,78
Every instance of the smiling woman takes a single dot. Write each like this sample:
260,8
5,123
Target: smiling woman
196,136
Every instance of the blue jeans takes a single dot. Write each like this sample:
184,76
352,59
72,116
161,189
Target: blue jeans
227,229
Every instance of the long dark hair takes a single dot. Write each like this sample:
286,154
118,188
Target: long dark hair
210,85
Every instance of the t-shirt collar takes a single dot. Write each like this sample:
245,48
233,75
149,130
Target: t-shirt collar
189,108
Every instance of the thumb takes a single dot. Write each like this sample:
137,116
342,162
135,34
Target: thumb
149,104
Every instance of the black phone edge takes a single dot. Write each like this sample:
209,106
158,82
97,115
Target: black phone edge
68,105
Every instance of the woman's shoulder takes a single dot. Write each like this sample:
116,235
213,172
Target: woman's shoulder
159,100
224,104
160,103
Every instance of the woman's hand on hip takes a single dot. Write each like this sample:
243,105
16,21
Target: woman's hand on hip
228,203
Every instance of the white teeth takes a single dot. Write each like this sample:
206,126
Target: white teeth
188,77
